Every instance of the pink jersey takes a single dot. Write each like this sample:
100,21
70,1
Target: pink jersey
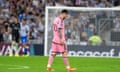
58,23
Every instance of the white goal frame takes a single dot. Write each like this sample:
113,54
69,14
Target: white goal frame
70,8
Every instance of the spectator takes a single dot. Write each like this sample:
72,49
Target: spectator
83,36
68,2
31,23
5,4
90,30
6,25
77,2
1,34
116,2
55,3
21,16
95,40
33,32
7,36
103,43
40,37
105,3
116,22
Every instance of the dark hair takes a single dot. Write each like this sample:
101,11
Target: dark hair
14,16
95,33
24,19
32,19
64,11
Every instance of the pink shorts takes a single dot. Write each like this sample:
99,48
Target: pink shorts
56,47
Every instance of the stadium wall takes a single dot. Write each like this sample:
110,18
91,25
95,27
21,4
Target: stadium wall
94,51
34,49
73,50
5,49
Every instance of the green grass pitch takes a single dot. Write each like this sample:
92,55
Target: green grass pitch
38,64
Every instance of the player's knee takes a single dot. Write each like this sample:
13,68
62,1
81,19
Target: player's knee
64,55
53,54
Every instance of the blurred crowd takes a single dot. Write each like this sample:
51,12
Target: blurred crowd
79,27
31,10
82,27
84,3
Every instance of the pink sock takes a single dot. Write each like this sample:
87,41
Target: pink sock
51,58
66,62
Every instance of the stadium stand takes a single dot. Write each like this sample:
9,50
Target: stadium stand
32,10
84,3
80,26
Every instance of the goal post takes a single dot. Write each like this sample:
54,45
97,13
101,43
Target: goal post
49,17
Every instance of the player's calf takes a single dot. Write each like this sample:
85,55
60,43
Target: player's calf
66,62
50,61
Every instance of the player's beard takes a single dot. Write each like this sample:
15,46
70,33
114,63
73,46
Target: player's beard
64,18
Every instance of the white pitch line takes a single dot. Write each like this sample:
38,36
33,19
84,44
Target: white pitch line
15,66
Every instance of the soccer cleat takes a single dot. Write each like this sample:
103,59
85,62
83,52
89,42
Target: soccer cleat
11,55
71,69
49,69
16,55
27,55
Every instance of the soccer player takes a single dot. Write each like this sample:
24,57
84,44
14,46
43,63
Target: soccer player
24,35
58,42
15,26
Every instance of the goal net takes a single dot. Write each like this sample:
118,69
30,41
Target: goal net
82,23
